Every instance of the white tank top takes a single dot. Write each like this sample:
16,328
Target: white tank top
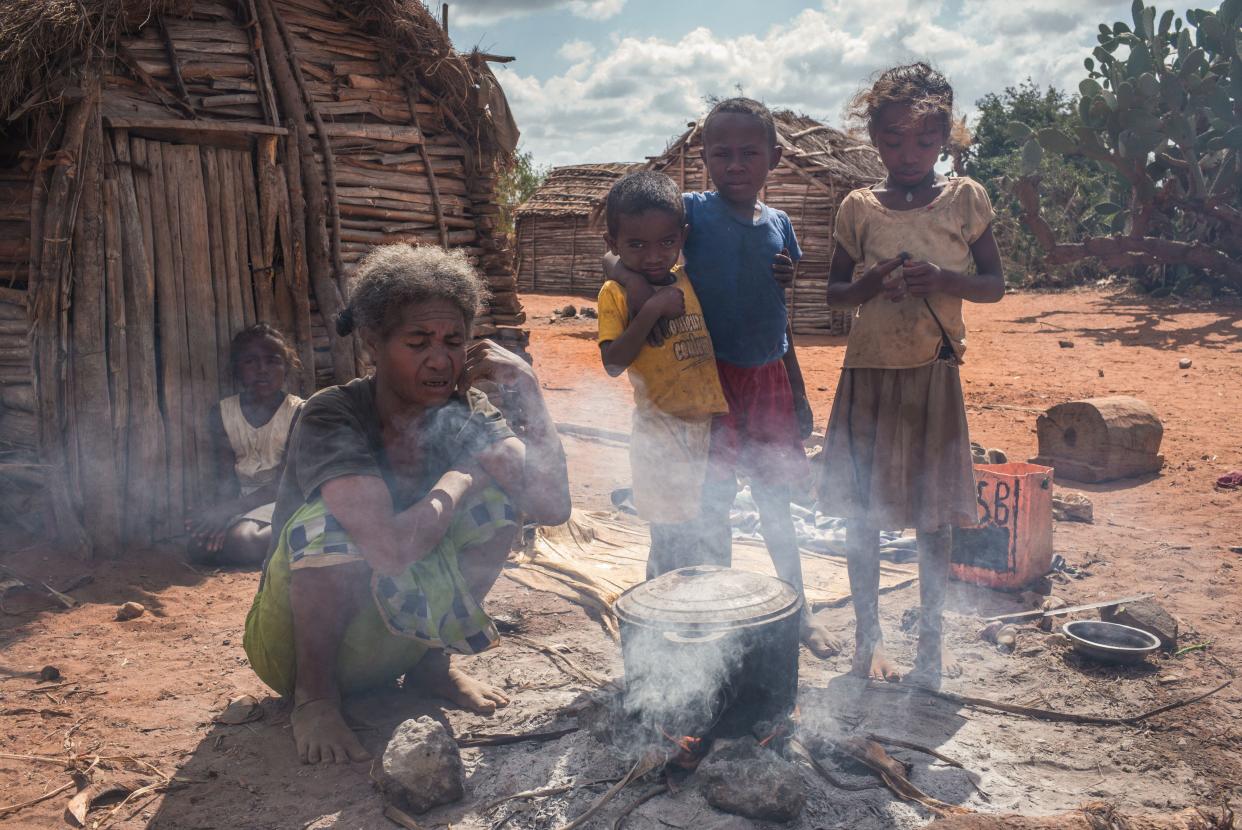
258,450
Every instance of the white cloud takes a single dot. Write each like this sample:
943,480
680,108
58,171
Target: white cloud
576,51
473,12
627,103
596,9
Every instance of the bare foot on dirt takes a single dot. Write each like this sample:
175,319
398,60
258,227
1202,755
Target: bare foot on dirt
321,735
874,664
930,678
819,641
435,677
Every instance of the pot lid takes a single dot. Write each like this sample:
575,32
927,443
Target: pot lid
706,596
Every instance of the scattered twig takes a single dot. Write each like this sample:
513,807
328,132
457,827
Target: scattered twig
802,751
880,739
871,755
13,808
643,766
1195,647
545,792
561,661
499,739
401,817
47,713
636,803
1064,717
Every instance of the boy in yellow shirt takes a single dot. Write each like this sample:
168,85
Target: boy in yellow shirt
676,388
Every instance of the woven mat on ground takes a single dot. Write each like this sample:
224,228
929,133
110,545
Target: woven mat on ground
594,557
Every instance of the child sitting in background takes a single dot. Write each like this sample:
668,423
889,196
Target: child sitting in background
676,389
897,451
736,254
249,433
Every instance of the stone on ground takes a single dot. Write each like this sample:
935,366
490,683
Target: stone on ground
422,766
1147,615
745,779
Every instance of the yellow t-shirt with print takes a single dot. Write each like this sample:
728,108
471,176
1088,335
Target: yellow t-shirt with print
679,377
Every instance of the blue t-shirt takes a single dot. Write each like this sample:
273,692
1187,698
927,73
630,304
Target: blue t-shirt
730,266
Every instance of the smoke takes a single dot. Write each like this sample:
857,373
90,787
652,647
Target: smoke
676,683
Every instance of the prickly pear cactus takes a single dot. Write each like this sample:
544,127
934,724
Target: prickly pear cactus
1162,105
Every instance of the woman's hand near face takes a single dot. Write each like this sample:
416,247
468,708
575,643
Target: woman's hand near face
487,361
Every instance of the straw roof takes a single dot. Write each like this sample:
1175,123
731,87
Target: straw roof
809,146
42,41
838,154
575,190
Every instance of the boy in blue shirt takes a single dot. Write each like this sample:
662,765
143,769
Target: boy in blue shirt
737,247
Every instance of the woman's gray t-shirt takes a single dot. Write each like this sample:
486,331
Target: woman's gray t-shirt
338,434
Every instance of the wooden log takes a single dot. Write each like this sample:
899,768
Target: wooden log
48,310
218,270
88,361
146,478
247,201
170,301
185,182
1100,439
267,96
297,271
259,247
327,291
326,154
191,128
436,204
174,65
117,348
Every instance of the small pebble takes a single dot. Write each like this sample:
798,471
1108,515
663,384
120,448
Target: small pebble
49,673
1184,363
1066,344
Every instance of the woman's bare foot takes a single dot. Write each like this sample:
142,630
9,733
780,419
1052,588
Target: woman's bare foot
872,663
435,677
321,735
819,642
929,677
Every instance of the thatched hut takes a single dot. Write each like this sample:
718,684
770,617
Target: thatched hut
558,250
819,166
174,170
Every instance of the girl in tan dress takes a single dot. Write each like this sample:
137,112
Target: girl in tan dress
249,433
897,452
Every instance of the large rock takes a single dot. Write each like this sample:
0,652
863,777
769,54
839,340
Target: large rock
743,778
1147,615
422,767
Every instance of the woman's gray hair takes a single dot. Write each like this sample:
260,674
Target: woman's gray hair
392,277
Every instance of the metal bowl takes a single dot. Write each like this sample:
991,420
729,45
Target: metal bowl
1110,642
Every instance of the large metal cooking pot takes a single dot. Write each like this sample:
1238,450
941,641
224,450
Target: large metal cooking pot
710,647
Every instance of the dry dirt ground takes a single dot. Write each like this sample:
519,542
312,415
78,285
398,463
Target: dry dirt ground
145,692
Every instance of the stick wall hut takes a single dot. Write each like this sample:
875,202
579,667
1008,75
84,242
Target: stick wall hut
558,250
172,171
819,166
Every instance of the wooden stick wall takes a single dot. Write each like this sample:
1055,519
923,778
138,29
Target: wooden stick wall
214,175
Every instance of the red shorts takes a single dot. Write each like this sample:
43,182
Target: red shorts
760,436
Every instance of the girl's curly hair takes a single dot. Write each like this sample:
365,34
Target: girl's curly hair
258,332
925,90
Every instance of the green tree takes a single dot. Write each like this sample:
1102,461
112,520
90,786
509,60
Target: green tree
1074,185
515,186
1161,106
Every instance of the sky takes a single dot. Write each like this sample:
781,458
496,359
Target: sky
617,80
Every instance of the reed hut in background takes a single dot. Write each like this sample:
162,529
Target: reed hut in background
819,166
172,171
558,250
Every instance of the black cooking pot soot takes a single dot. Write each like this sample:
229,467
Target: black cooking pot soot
710,649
